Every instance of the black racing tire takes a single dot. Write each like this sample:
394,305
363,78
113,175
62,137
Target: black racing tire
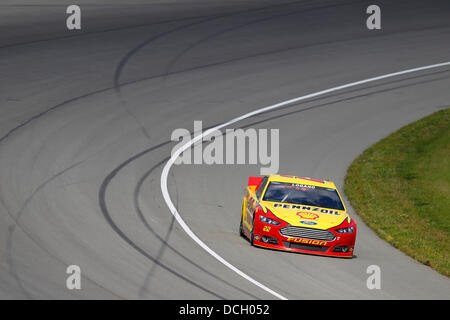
241,231
252,234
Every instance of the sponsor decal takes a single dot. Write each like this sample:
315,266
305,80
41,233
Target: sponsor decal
308,215
304,186
295,186
300,207
308,241
257,237
310,223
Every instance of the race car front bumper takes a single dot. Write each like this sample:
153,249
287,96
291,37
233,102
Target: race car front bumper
338,245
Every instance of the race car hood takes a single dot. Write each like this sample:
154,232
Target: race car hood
306,216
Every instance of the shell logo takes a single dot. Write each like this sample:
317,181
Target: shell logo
308,215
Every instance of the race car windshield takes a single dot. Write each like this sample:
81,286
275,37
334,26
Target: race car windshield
294,193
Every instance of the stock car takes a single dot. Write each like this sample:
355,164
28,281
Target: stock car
297,214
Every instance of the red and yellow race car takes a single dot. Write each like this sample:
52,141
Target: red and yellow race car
297,214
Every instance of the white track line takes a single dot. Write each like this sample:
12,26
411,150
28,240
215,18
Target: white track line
166,169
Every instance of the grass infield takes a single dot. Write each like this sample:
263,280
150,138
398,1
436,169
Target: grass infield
400,187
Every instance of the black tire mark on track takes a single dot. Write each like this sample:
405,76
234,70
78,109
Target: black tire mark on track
361,88
136,49
86,34
246,24
10,262
343,99
62,104
133,51
115,227
277,51
86,95
92,93
164,240
146,151
272,118
127,27
43,113
11,229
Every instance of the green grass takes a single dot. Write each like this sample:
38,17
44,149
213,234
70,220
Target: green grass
400,187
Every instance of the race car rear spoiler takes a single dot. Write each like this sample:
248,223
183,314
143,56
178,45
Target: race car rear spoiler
254,181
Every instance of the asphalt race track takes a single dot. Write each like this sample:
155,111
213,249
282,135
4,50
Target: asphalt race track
86,118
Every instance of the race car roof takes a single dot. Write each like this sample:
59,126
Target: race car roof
302,180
